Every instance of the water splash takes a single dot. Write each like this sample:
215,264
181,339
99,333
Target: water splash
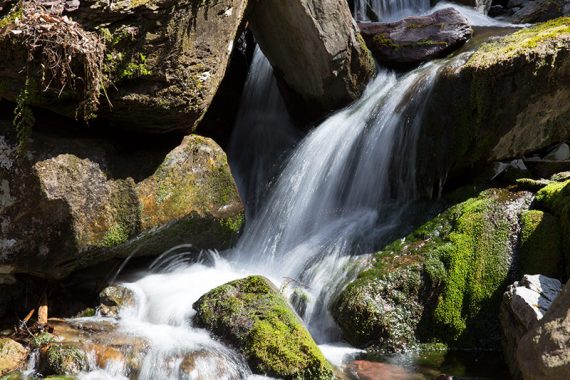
388,10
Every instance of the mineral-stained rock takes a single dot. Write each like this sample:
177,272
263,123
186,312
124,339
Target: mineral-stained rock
417,39
316,50
251,315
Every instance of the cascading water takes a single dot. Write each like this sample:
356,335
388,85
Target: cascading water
339,192
388,10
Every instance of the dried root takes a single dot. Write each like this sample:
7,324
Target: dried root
68,57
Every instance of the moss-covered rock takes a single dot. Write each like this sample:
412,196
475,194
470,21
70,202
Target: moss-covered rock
555,198
74,200
442,283
63,359
12,355
540,245
251,315
509,99
163,60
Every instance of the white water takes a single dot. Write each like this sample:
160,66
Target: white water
388,10
339,192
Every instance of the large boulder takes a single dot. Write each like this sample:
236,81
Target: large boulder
441,283
71,200
524,304
161,61
509,99
414,40
251,315
318,55
543,352
536,11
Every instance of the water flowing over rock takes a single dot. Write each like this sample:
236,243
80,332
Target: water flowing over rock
71,201
252,315
165,59
482,6
414,40
508,100
524,304
443,282
316,51
543,352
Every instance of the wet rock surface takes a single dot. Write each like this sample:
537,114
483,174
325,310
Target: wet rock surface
12,355
414,40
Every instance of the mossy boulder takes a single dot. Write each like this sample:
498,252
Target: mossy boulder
508,99
12,355
114,298
540,245
251,315
74,199
320,59
442,283
555,198
163,60
63,359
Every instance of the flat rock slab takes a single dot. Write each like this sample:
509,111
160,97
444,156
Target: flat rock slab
414,40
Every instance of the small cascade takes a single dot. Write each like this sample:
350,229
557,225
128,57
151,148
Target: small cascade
262,135
388,10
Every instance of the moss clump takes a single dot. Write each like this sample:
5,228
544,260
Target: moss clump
251,315
136,68
382,40
521,42
541,245
42,339
16,13
65,360
442,283
116,235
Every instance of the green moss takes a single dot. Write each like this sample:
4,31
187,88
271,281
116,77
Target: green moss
251,314
136,68
541,244
382,40
445,280
65,360
42,339
116,235
14,14
521,42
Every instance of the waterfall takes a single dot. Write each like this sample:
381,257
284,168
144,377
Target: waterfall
262,135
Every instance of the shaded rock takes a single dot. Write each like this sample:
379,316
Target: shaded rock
543,352
531,184
540,245
537,11
560,177
114,298
75,199
417,39
479,127
441,283
251,315
164,58
555,198
524,304
12,355
321,38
